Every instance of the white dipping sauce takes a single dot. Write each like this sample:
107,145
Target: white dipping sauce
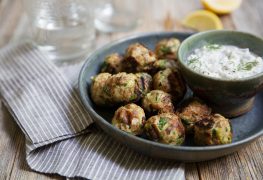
225,62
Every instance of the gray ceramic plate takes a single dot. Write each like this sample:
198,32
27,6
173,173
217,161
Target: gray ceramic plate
245,128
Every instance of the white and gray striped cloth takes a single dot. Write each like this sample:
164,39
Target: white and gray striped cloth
60,137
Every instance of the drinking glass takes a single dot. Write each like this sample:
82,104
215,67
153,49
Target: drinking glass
116,15
64,29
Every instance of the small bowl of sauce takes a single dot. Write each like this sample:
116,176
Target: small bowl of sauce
225,68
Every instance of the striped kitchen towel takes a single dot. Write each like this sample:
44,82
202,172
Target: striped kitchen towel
60,136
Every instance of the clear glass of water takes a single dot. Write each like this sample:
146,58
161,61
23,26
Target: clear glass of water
62,28
117,15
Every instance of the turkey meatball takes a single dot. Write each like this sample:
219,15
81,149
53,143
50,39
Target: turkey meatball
167,48
121,88
165,128
170,81
213,130
129,118
138,58
193,111
156,102
112,64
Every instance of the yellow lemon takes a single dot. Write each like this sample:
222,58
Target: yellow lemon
202,20
221,6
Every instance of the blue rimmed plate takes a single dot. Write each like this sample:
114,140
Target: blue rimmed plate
246,128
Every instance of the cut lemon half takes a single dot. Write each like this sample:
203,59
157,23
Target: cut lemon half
221,6
202,20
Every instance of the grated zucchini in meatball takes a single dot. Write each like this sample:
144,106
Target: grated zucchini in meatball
165,128
129,118
213,130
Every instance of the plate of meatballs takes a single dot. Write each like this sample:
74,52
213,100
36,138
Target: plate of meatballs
134,91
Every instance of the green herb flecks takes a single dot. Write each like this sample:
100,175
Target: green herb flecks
247,66
212,46
192,60
165,49
185,121
157,98
104,65
214,133
106,90
162,64
180,140
133,97
124,84
162,123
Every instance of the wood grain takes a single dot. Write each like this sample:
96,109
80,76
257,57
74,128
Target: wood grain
245,164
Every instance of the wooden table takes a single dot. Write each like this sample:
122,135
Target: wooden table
157,16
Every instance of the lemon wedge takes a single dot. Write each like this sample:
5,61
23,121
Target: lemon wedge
221,6
202,20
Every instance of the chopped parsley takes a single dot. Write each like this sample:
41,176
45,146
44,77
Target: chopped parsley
247,66
186,121
133,97
165,49
124,84
162,64
104,65
106,90
214,133
192,60
157,98
180,140
162,123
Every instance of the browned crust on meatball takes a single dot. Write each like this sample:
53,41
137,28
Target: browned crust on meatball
192,111
138,58
213,130
129,118
167,48
165,128
170,81
157,101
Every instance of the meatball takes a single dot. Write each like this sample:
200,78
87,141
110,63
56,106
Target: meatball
129,118
193,111
167,48
163,64
170,81
138,58
157,102
213,130
123,88
97,89
165,128
112,64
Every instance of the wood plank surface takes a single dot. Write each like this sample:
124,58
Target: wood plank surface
158,15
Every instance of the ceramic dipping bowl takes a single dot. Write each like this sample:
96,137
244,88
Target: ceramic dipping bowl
228,97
